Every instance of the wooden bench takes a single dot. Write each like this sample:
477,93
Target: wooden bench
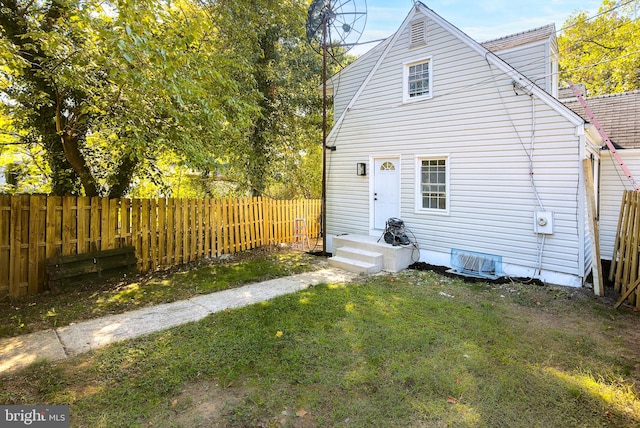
94,266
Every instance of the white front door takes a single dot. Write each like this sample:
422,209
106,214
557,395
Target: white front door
386,191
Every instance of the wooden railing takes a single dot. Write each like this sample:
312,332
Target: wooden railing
165,232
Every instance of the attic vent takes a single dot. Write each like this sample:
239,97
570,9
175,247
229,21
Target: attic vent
418,35
478,265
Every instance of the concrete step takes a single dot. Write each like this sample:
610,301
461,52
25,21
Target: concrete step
361,255
351,265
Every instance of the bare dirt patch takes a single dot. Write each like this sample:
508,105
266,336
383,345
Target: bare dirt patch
207,404
202,404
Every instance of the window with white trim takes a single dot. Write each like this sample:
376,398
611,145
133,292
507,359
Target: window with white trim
433,192
417,80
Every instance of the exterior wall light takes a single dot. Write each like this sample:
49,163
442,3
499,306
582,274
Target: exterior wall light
361,169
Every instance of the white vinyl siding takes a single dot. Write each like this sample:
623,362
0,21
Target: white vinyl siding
476,118
346,83
533,61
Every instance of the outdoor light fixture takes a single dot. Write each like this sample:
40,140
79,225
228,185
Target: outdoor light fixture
361,169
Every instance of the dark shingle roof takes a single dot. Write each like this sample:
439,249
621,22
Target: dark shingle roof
519,39
566,94
619,115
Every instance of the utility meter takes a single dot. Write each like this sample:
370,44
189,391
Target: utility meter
543,222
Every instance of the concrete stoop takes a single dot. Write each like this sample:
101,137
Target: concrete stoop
357,260
368,254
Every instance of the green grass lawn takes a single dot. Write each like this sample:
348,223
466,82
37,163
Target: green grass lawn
411,349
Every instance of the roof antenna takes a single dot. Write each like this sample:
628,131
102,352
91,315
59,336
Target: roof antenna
332,25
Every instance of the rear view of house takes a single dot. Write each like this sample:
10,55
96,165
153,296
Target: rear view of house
468,145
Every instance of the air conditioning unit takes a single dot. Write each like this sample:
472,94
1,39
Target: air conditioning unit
474,264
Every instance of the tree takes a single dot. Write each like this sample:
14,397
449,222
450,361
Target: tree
142,79
284,72
603,52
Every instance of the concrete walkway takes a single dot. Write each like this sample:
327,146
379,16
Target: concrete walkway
63,342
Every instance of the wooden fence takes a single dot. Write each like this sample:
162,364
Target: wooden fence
625,263
165,232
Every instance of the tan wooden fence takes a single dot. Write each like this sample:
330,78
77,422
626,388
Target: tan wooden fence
165,232
625,262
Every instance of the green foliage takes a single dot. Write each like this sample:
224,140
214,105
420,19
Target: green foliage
110,90
604,52
279,155
22,166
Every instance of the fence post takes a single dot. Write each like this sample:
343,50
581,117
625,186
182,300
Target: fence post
36,230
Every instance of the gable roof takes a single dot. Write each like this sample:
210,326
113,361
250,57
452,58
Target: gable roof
519,39
503,43
619,115
491,58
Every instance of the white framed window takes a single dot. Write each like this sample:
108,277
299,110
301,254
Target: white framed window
417,80
432,179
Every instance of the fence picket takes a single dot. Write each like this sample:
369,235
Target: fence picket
145,219
227,226
171,233
95,241
5,246
219,228
68,203
236,226
193,229
206,229
82,224
114,225
104,224
153,233
14,247
125,221
34,243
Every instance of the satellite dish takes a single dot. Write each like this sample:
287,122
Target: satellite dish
336,23
331,25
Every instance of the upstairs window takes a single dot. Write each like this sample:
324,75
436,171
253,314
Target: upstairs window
417,80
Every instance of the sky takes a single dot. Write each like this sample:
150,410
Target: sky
481,19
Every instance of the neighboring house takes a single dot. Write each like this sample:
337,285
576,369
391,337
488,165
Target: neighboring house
468,144
619,116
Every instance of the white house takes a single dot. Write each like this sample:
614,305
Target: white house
468,144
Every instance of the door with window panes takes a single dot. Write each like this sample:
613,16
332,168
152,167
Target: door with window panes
386,191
